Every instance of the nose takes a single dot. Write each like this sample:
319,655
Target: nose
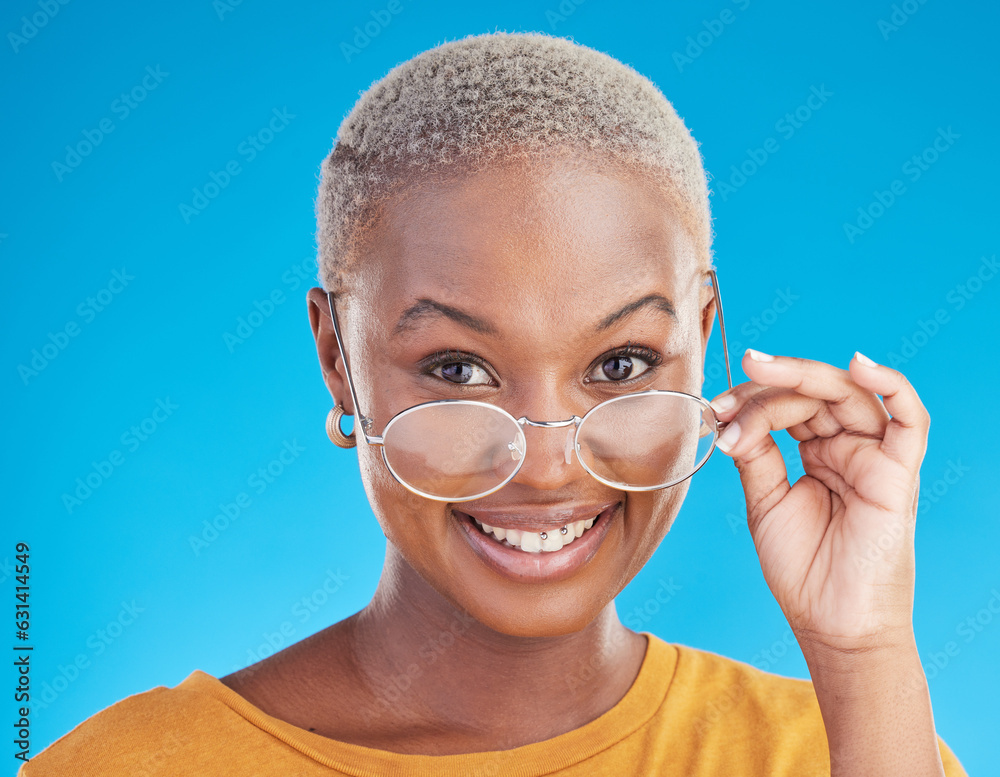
549,461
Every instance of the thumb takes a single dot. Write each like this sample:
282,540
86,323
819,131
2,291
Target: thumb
764,478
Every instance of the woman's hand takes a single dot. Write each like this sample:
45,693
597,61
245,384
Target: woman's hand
836,548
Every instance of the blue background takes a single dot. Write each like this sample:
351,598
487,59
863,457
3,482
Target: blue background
222,72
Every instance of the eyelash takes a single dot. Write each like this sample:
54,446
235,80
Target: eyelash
648,355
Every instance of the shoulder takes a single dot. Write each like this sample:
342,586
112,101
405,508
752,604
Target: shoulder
139,735
721,691
733,707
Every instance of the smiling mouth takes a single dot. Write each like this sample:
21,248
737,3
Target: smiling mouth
538,542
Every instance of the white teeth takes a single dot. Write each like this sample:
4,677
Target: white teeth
553,541
532,542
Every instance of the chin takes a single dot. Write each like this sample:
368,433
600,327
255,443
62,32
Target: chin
539,614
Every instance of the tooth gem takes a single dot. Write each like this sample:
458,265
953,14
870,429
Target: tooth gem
563,530
544,536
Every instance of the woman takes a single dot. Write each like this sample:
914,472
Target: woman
522,223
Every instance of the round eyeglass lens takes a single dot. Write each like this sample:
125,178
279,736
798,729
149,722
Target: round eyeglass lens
453,450
647,440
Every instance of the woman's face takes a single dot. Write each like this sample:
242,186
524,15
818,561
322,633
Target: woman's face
541,275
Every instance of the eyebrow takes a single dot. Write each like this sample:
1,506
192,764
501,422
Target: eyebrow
658,301
429,307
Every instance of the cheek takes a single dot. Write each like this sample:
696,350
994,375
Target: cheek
652,514
408,521
384,494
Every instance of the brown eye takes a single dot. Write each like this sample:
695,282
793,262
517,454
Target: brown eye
457,372
463,373
620,367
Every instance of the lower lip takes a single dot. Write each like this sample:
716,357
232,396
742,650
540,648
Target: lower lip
544,567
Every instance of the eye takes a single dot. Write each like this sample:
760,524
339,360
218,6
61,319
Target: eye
460,368
624,364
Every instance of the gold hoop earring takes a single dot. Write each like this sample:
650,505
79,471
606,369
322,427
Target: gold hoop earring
335,433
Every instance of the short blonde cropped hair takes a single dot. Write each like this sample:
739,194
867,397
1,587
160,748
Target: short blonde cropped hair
499,96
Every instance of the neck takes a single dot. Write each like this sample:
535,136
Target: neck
431,667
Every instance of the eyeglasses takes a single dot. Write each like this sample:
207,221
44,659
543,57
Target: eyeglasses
456,450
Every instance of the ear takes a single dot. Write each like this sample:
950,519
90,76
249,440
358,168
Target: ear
707,310
330,361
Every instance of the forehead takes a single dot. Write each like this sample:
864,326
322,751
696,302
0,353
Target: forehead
540,242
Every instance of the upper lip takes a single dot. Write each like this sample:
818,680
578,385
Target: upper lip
534,518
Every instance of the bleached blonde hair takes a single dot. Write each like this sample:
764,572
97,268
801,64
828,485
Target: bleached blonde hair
459,106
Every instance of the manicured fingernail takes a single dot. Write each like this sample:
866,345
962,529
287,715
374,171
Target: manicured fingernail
729,437
757,356
723,403
864,359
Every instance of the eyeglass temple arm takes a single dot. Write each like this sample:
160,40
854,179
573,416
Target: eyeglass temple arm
366,422
722,325
362,421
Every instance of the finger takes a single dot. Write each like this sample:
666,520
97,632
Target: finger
802,432
905,438
857,409
817,465
764,478
727,404
775,409
867,474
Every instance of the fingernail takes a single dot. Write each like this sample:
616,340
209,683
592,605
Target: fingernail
864,359
729,437
757,356
723,403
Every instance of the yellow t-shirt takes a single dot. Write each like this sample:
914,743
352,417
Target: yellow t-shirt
689,713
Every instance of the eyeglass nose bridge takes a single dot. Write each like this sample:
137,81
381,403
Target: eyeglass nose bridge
516,452
549,424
